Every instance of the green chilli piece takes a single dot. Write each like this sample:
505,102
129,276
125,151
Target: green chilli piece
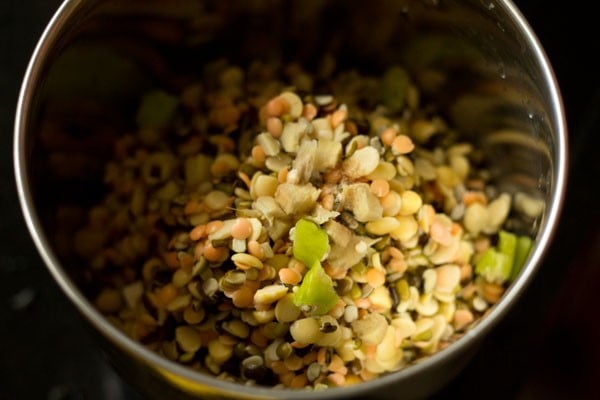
492,266
504,262
507,243
495,265
316,292
523,247
311,242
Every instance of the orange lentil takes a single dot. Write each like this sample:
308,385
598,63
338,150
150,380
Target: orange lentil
215,254
369,349
380,187
224,116
481,245
244,177
298,345
328,201
299,381
309,358
274,126
468,291
322,356
471,197
289,276
258,154
258,338
191,207
462,318
375,277
198,232
362,313
282,175
402,144
332,176
244,267
338,117
337,365
199,250
395,252
362,303
456,229
287,378
352,379
309,111
241,229
389,200
267,272
167,294
466,271
337,379
171,259
388,135
192,316
186,261
221,168
279,367
338,309
297,265
397,265
255,249
336,272
277,107
440,233
366,375
213,226
492,292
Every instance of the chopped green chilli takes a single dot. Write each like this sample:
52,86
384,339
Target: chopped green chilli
522,250
316,293
311,242
504,262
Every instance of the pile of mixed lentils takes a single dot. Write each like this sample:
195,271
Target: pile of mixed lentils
267,232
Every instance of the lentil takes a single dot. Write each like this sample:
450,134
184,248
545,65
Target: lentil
241,229
188,339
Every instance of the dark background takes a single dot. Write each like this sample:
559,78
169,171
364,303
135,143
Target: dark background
548,347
